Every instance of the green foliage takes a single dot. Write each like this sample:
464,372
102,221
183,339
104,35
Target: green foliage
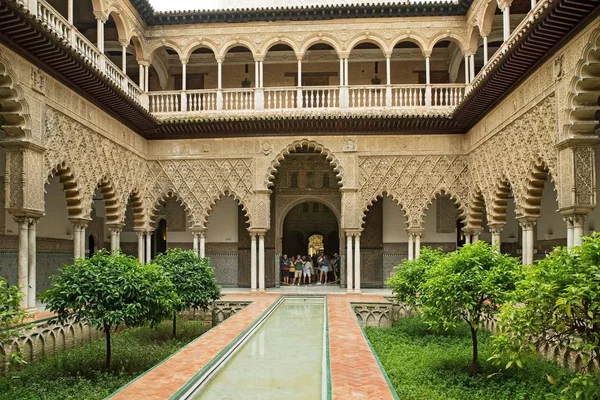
557,302
110,289
423,364
77,373
10,312
468,285
410,275
193,277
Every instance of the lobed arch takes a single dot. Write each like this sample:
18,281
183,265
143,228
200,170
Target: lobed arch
325,39
410,38
582,101
225,193
476,209
16,119
111,200
236,43
189,50
443,191
135,200
499,202
374,199
162,198
329,155
534,187
370,38
280,40
70,188
449,36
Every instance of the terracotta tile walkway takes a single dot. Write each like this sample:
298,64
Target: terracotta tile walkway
163,381
355,373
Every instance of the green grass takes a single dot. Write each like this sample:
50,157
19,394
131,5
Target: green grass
422,364
76,373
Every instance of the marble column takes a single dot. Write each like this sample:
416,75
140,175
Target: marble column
195,243
253,259
417,245
357,263
100,20
411,246
466,61
467,236
496,230
76,240
569,221
261,262
140,243
22,261
349,267
148,247
472,68
578,224
202,244
475,237
528,242
115,237
31,263
506,23
82,239
485,50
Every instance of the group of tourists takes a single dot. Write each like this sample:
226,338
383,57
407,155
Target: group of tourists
306,269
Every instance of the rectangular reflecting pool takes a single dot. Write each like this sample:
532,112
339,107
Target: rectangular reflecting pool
283,356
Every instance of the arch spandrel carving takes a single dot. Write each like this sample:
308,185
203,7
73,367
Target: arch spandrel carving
512,153
91,158
201,182
413,181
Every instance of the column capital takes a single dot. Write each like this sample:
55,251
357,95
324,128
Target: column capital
344,55
259,232
427,53
468,53
387,54
140,234
124,42
80,222
101,15
415,231
197,229
299,56
144,63
496,228
116,227
353,232
527,223
259,58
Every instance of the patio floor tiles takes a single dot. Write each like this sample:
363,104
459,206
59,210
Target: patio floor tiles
355,373
164,380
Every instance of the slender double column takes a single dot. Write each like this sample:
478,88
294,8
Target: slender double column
148,235
26,260
575,229
357,262
253,271
200,243
349,263
115,237
528,242
257,260
79,226
140,244
496,230
414,242
506,23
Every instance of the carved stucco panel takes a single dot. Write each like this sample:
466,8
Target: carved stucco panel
414,181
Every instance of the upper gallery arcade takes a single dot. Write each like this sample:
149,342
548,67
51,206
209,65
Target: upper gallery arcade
247,134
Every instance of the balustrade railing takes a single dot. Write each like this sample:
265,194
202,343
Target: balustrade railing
201,100
366,96
238,99
447,95
61,27
408,96
320,97
164,102
281,98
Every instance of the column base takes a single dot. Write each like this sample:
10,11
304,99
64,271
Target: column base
349,291
261,291
32,311
357,291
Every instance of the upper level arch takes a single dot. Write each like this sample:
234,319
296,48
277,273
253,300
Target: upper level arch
235,43
298,144
417,40
330,40
188,50
367,38
449,36
279,40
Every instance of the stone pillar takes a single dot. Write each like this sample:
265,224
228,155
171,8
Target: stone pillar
578,224
467,234
467,80
195,243
475,237
148,246
533,3
202,245
253,280
388,80
417,245
140,236
70,11
357,263
349,267
31,263
183,85
427,70
220,84
22,263
82,239
115,237
485,50
496,230
506,23
146,77
100,20
342,72
472,68
344,94
123,56
261,262
528,242
411,246
261,75
141,79
76,240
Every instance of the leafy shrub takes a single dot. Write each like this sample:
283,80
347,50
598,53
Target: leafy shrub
10,311
111,289
194,280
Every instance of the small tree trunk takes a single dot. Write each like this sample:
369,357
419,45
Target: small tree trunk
108,348
174,325
474,363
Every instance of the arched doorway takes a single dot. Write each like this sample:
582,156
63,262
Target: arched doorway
311,228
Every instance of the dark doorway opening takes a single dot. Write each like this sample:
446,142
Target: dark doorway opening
91,245
161,237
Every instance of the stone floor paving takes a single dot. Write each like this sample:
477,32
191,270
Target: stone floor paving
355,373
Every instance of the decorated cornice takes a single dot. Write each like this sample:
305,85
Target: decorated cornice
302,13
